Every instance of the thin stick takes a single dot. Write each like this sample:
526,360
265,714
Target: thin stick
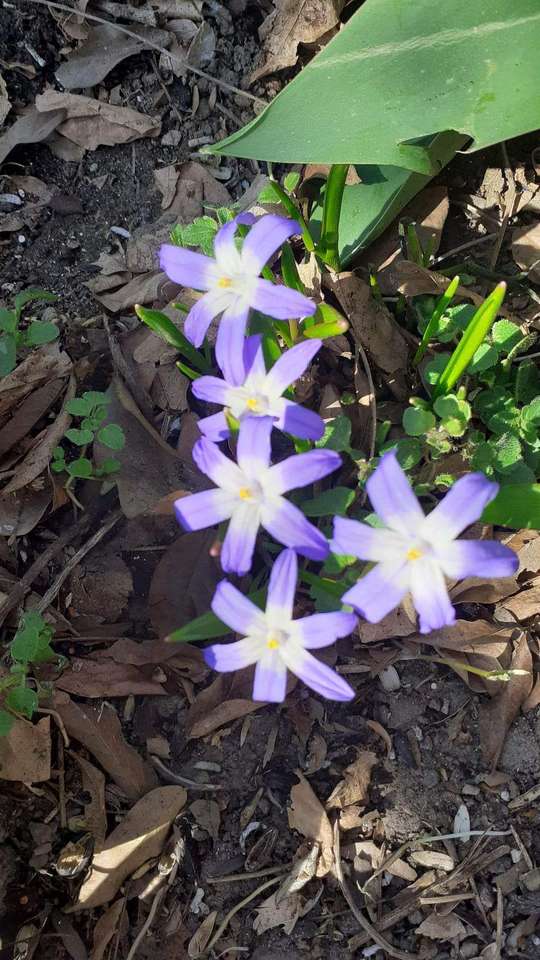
462,246
147,923
243,903
149,43
171,777
59,723
500,923
282,868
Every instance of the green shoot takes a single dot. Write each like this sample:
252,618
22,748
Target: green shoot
328,246
441,306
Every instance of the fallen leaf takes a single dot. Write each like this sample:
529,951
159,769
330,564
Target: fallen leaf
25,416
25,753
95,816
302,872
33,127
105,928
411,280
270,914
395,624
526,249
20,512
307,815
187,189
218,705
438,927
93,123
192,9
318,749
468,636
207,815
433,860
291,23
74,26
41,366
515,941
353,789
68,936
478,590
200,939
169,388
525,604
104,678
497,714
5,105
184,582
99,730
533,700
138,838
102,50
462,823
101,586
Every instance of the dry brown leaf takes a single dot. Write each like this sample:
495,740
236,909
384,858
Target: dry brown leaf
102,50
169,388
270,914
187,188
395,624
207,815
497,715
25,416
533,700
529,554
20,512
525,604
95,816
438,927
25,753
467,636
139,837
33,127
198,943
526,249
433,859
293,22
211,710
105,929
101,586
307,815
411,280
99,730
143,289
353,789
302,872
41,366
318,749
5,105
184,582
93,123
139,654
478,590
192,9
104,678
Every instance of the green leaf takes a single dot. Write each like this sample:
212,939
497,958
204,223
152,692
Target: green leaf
165,328
531,413
112,436
435,367
483,456
408,452
27,296
6,722
57,466
58,453
201,233
291,181
23,700
337,435
485,357
329,323
506,452
208,626
79,407
417,422
96,398
8,321
8,354
527,385
81,468
506,334
516,505
110,465
38,333
334,501
80,438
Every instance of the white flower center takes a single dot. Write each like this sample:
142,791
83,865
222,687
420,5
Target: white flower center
276,639
252,492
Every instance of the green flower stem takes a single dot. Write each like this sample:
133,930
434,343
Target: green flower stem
327,248
294,212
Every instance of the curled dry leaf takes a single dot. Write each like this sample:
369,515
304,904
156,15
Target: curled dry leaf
525,604
307,815
353,789
207,815
93,123
20,512
187,189
302,872
90,677
526,249
103,49
27,414
225,700
106,927
184,582
497,715
5,105
478,590
93,782
293,22
198,943
438,927
25,753
462,823
138,838
40,367
33,127
433,860
468,636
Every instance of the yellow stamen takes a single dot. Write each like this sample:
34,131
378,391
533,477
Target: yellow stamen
252,403
414,554
272,643
245,493
224,282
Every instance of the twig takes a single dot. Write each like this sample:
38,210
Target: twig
59,723
170,777
243,903
500,922
510,205
282,868
462,246
61,782
360,352
149,43
147,923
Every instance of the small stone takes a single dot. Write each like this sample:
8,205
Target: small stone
470,790
515,855
505,795
21,238
172,138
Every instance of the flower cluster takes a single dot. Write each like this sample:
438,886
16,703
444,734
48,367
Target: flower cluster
412,553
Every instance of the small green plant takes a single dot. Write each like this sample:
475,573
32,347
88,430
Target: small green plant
30,645
13,338
91,411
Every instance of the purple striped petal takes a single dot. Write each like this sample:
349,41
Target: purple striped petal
280,302
322,629
367,543
217,466
302,469
214,428
290,366
318,676
392,497
230,343
225,657
254,449
205,509
298,420
462,505
201,315
288,525
270,682
282,586
187,267
430,596
477,558
212,389
253,356
378,592
239,543
239,613
266,236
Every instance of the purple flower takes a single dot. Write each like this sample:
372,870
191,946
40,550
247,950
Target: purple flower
259,394
414,552
233,285
250,495
276,642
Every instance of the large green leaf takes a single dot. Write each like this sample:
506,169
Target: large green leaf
516,505
400,71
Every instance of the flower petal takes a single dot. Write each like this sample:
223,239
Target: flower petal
430,596
266,236
254,357
253,450
187,267
317,675
282,588
212,389
288,525
322,629
367,543
239,613
225,657
217,466
297,420
280,302
230,343
270,681
290,366
205,509
477,558
463,504
214,428
302,469
392,497
239,543
227,256
379,591
201,315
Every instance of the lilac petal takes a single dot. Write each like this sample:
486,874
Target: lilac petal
318,676
201,315
302,469
477,558
187,267
225,657
288,525
212,389
239,613
280,302
227,256
462,505
253,450
298,420
239,543
214,428
367,543
230,343
392,497
253,356
430,596
217,466
270,682
266,236
205,509
290,366
321,629
378,592
282,586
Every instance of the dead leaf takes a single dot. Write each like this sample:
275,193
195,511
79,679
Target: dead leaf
291,23
102,50
104,678
302,872
353,789
468,636
317,754
395,624
192,9
25,416
533,700
184,582
462,823
20,512
478,590
207,815
94,811
187,189
526,249
93,123
33,127
41,366
433,860
101,586
438,927
198,943
169,388
270,914
497,714
5,105
25,753
525,604
105,929
99,730
307,815
411,279
218,705
67,934
138,838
